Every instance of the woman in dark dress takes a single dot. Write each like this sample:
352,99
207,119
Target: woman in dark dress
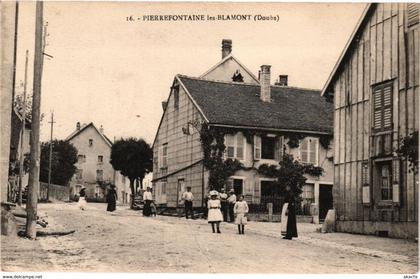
111,199
291,230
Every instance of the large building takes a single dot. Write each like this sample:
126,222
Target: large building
94,170
375,90
259,120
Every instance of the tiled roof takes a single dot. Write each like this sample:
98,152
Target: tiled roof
239,104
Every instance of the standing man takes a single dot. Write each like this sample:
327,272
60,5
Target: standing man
188,198
147,198
224,204
231,201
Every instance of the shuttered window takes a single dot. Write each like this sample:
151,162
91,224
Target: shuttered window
230,146
382,108
309,151
240,146
235,146
412,14
257,147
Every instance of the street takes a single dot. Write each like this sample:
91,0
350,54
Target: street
128,242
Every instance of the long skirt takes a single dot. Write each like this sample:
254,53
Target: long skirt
214,215
111,206
291,222
146,208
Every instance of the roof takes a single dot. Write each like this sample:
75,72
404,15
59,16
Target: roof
230,56
359,27
239,105
84,127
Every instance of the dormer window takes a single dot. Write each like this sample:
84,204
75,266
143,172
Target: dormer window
237,77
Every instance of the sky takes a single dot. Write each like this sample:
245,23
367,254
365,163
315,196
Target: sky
116,73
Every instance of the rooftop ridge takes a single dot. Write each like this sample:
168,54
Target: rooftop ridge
247,84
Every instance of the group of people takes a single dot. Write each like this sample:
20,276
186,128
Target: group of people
111,199
149,207
219,206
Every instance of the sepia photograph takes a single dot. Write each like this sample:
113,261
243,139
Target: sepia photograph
222,138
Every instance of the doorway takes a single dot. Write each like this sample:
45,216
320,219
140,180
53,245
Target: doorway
238,186
325,200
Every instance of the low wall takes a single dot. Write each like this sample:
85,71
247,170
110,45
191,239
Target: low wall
56,192
260,217
392,229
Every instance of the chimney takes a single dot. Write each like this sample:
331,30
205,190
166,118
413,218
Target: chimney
282,80
78,126
101,129
265,93
164,103
226,47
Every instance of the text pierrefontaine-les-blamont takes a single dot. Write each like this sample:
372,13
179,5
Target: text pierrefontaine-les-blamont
201,17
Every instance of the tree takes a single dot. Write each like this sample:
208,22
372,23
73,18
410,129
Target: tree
64,156
134,159
291,173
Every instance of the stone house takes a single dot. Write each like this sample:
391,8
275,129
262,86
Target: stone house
261,119
94,169
375,90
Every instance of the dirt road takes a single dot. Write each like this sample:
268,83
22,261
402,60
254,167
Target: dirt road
127,242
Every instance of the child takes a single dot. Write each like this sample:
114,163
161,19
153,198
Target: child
153,209
241,209
214,214
82,199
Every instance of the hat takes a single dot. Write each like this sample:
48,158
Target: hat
232,191
213,193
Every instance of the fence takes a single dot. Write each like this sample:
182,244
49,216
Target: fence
55,193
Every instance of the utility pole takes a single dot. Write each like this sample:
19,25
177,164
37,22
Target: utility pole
49,162
32,201
22,135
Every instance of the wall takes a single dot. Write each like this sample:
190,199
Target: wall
56,192
385,51
99,147
225,71
7,25
183,150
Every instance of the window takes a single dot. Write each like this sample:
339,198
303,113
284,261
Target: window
81,158
176,96
268,145
100,159
235,146
230,146
164,156
163,187
99,175
382,108
412,14
385,180
308,193
79,174
90,142
309,151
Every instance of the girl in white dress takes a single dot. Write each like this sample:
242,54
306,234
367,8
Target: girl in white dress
241,209
215,215
82,199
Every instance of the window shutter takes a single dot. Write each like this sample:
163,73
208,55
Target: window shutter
377,109
230,146
382,108
312,151
257,147
240,146
279,149
304,156
365,183
412,14
396,166
257,192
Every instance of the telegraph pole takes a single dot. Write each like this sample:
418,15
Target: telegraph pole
32,201
50,159
22,135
